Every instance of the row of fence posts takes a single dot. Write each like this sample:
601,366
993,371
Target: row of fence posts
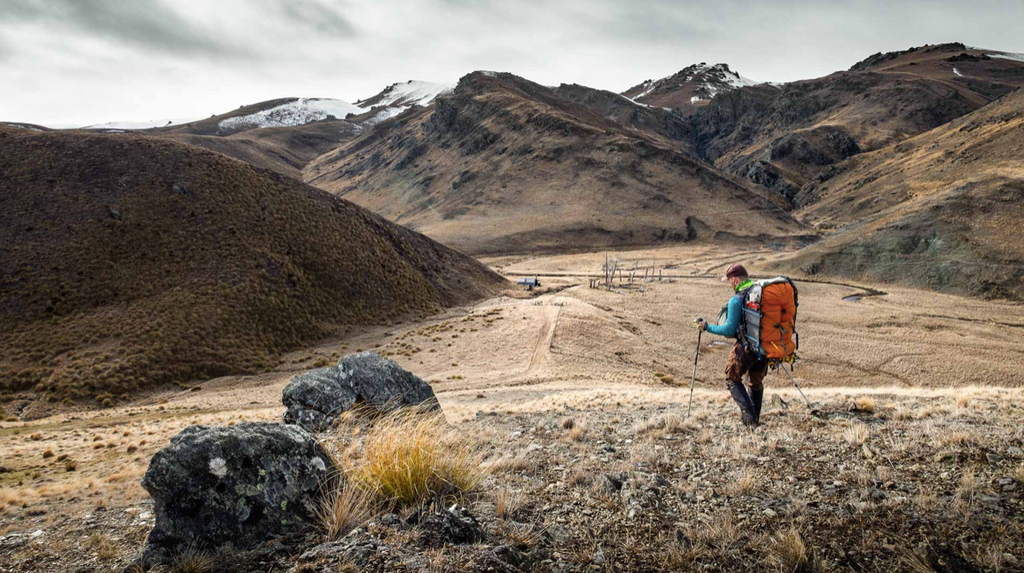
611,268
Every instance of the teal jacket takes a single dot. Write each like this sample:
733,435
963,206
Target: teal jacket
733,314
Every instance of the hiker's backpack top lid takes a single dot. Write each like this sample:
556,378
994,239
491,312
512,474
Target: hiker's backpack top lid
769,318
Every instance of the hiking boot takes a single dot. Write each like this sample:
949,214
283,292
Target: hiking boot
739,395
756,396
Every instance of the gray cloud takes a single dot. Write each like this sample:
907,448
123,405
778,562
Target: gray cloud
88,61
314,15
146,24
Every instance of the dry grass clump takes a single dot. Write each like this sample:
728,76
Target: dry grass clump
509,464
506,504
342,508
745,483
966,491
865,404
411,457
790,554
577,433
193,559
856,434
957,438
103,546
664,423
903,413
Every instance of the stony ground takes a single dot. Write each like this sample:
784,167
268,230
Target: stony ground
914,462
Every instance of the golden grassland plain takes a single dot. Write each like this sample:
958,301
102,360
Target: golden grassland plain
914,459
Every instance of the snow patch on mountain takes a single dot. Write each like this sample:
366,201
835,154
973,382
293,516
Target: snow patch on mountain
384,114
140,124
1008,56
298,112
408,94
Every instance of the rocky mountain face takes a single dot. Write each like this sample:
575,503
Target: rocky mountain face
938,210
129,261
688,89
784,138
506,165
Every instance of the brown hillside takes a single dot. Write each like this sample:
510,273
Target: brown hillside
128,261
285,150
672,128
941,210
506,165
785,138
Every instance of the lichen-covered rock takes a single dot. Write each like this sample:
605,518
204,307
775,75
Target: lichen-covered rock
316,398
237,485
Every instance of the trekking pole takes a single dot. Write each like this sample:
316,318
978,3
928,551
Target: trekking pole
694,377
809,407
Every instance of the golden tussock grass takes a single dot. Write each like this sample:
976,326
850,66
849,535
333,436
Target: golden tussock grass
412,457
865,403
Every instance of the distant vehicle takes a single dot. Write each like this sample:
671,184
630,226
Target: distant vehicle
529,283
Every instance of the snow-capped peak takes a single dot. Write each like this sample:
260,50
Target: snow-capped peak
407,94
298,112
696,83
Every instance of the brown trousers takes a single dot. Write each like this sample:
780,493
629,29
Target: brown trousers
742,361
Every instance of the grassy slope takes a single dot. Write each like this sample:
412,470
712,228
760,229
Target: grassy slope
128,261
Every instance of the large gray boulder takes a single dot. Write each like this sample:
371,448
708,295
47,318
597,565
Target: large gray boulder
316,398
238,485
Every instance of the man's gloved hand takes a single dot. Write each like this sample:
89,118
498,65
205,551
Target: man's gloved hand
701,324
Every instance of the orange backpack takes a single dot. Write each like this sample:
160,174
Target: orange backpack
769,319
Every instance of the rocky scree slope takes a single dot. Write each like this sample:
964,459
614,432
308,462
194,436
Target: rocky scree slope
129,261
506,165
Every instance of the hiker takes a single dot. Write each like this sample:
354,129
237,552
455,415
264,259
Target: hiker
742,359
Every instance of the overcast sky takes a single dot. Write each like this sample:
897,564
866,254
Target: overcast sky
88,61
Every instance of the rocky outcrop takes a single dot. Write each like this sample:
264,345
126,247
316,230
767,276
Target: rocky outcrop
315,399
237,485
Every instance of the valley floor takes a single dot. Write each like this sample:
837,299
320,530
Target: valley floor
576,398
